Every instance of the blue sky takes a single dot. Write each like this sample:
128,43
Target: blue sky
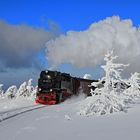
66,15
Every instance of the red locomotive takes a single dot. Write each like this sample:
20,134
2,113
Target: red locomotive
55,87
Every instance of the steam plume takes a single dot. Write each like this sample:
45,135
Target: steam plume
87,48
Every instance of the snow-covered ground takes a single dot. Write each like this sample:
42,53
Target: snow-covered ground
11,108
11,104
61,122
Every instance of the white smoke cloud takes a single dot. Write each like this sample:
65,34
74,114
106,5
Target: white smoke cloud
87,48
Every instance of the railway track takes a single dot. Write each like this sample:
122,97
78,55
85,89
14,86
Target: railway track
12,113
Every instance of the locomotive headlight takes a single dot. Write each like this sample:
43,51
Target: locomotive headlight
39,89
48,76
51,90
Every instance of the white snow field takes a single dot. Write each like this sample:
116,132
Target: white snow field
61,122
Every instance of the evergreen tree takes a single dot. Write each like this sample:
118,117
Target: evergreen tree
26,89
22,90
106,98
11,92
1,90
133,92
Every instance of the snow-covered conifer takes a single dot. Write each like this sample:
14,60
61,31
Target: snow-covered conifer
29,88
134,86
105,98
112,72
26,89
1,90
11,92
33,93
22,90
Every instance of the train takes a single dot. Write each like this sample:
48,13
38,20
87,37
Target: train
55,87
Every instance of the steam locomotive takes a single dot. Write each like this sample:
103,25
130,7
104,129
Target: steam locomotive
55,87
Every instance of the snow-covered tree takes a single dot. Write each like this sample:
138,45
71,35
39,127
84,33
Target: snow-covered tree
22,90
29,88
11,92
112,72
134,86
33,93
106,98
26,89
1,90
